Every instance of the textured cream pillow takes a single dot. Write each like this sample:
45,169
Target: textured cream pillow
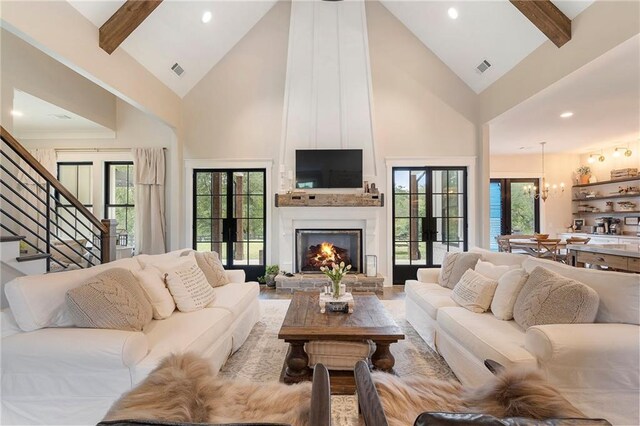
152,282
112,299
492,271
509,286
212,267
454,265
550,298
188,285
474,291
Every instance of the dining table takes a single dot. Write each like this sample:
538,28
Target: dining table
530,246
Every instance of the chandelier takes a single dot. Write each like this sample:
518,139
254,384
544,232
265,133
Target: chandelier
545,189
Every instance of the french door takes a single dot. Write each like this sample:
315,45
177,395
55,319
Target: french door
512,211
429,217
229,217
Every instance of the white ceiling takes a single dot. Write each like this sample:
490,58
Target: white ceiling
42,120
492,30
174,33
604,96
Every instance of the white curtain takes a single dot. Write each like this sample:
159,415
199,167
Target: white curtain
46,157
149,181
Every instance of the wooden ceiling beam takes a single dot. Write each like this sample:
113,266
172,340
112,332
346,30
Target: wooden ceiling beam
548,18
122,23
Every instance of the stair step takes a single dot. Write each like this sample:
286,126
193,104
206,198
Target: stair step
28,257
9,238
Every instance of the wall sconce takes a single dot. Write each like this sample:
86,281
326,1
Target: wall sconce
591,159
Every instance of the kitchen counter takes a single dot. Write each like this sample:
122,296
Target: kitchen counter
620,257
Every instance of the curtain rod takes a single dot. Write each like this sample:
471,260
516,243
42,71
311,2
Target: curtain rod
95,149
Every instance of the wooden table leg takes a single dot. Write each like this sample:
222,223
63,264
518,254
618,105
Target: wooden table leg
382,359
297,363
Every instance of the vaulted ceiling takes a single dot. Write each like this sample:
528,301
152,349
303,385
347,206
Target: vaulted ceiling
174,33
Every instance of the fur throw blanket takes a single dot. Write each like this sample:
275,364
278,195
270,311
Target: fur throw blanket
183,389
511,393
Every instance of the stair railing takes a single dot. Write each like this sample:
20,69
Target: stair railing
33,203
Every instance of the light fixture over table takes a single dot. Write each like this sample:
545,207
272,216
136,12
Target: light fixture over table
545,189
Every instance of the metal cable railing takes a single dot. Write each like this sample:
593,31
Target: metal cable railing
35,205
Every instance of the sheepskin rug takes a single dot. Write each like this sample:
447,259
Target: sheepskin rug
183,389
511,393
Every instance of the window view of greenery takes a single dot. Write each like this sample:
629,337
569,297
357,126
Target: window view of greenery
522,210
121,199
247,209
77,178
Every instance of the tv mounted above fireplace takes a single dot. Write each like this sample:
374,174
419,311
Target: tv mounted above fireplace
328,168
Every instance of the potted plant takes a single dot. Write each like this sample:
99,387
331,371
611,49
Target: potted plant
335,274
270,274
584,174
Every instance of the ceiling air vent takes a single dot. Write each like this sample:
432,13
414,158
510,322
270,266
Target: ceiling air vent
61,116
484,65
177,69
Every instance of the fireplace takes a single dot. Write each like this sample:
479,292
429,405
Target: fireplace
324,247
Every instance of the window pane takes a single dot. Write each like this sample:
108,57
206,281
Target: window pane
203,230
256,230
418,253
85,184
240,182
402,253
418,182
256,206
401,181
522,210
402,205
67,175
203,183
240,206
495,215
203,207
256,254
402,229
256,183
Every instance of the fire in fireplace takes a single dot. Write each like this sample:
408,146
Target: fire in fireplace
324,247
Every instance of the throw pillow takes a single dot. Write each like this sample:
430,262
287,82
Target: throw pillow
212,268
550,298
152,282
112,299
454,266
509,286
188,285
474,291
492,271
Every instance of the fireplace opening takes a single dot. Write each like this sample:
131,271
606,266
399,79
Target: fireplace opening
324,247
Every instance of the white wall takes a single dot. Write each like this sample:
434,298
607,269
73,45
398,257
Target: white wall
134,129
555,213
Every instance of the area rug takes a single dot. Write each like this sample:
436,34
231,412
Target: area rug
261,357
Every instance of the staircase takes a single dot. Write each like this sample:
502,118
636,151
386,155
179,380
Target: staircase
43,226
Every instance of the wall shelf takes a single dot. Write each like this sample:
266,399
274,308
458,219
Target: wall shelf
605,182
303,199
607,213
608,197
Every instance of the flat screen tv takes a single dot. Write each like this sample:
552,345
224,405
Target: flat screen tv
328,168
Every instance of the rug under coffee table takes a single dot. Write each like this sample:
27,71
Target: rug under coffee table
304,323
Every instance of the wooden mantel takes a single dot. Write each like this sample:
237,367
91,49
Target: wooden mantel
304,199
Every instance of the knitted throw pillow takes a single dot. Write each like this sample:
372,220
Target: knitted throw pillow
212,268
112,299
454,266
550,298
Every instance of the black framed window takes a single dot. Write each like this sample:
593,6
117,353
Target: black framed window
120,198
512,211
229,217
77,177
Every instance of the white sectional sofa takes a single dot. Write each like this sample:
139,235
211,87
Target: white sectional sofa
595,366
54,373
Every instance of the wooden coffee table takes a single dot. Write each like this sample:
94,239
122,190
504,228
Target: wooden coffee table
304,323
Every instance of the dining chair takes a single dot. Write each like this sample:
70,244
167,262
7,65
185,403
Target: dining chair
548,249
566,256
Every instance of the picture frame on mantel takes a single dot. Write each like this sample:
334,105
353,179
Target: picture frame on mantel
371,265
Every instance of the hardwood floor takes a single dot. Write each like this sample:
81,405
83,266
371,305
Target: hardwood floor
389,293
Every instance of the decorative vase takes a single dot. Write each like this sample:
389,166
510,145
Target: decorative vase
584,179
335,287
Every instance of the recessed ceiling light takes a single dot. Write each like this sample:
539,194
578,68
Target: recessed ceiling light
453,13
16,113
566,114
206,17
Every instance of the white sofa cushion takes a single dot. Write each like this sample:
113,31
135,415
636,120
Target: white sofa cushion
430,297
235,275
493,271
485,336
185,331
161,259
504,299
38,301
235,297
155,288
619,292
428,275
498,258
